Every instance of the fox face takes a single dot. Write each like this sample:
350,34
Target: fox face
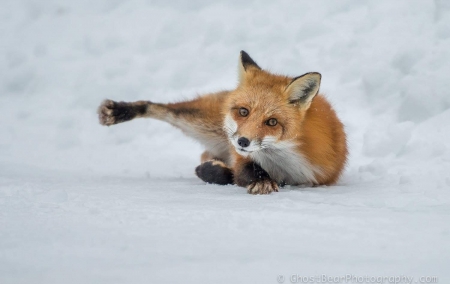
266,111
251,128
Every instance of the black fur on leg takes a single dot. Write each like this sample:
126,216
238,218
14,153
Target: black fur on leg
215,172
250,173
255,179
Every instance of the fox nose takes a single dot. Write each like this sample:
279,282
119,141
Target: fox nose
243,142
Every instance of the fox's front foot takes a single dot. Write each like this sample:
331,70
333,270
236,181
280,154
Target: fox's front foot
111,112
262,187
250,175
215,171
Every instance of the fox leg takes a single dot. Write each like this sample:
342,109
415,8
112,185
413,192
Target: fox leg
250,175
200,119
215,171
111,112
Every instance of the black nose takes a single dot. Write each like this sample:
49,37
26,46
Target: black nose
243,142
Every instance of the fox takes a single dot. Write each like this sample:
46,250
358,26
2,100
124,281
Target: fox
270,131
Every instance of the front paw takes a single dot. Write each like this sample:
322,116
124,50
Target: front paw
107,113
111,112
215,171
262,187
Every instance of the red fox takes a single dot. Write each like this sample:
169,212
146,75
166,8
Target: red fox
270,131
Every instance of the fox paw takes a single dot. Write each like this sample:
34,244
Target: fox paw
214,171
111,112
108,112
262,187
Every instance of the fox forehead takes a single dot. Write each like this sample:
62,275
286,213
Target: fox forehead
263,92
261,103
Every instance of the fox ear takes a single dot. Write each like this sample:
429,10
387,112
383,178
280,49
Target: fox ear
303,89
246,63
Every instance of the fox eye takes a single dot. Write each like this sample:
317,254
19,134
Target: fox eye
272,122
243,111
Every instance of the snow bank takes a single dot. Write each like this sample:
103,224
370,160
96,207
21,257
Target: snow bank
122,204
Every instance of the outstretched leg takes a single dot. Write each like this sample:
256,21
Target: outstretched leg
200,118
204,112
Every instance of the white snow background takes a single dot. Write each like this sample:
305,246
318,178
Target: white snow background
83,203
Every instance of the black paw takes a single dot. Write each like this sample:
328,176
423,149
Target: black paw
111,112
214,172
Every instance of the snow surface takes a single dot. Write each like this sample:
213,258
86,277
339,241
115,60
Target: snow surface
82,203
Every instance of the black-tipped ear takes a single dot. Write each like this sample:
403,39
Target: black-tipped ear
303,89
247,61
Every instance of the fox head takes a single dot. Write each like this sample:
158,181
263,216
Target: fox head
266,110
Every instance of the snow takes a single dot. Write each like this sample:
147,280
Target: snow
82,203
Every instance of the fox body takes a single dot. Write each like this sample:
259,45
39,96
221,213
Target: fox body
270,131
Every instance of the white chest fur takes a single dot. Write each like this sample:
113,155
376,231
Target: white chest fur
286,165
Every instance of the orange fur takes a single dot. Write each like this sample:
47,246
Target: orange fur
323,140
